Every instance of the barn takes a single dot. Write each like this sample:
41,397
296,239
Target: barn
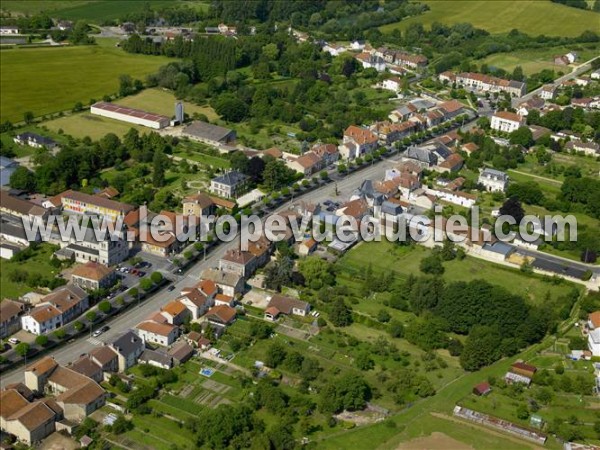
130,115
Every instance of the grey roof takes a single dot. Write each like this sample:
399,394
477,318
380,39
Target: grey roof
493,173
232,178
421,103
516,84
206,130
162,358
221,277
499,247
391,208
12,230
79,248
421,154
128,343
5,174
7,162
41,140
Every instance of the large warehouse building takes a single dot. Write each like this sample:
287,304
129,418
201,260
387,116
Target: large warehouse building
130,115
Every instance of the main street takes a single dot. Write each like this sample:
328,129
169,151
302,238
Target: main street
130,318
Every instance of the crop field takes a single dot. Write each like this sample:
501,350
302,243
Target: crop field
48,80
501,16
92,10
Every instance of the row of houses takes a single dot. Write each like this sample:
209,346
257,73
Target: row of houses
484,83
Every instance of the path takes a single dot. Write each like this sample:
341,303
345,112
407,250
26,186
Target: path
211,357
549,180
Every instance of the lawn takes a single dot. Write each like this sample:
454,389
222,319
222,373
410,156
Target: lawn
163,102
85,124
48,80
501,16
536,60
38,264
385,255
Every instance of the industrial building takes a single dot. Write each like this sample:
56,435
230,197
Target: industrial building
130,115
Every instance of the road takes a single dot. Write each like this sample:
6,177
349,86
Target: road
130,318
584,67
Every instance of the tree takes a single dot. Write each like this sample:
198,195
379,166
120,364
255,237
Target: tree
396,329
126,86
239,161
23,179
22,349
41,340
276,354
432,265
91,316
383,316
317,272
230,108
528,192
159,163
279,273
518,74
512,207
28,117
349,392
104,306
156,277
481,348
340,314
146,284
522,136
276,175
363,361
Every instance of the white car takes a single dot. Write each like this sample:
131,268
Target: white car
14,341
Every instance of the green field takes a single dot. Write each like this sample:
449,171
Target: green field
536,60
91,10
163,102
48,80
501,16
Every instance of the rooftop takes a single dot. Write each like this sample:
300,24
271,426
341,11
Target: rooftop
137,113
207,131
92,271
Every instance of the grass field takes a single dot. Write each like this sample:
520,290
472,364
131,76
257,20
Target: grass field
536,60
91,10
163,102
85,124
500,16
47,80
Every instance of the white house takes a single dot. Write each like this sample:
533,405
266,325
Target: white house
594,342
157,333
8,30
548,92
493,180
42,319
506,121
456,197
334,49
393,84
595,75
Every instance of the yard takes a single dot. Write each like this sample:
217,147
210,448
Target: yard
48,80
501,16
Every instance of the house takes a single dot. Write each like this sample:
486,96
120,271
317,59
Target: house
229,185
456,197
28,422
106,358
229,283
77,395
593,321
176,312
368,61
128,348
35,140
469,148
357,141
196,340
307,246
493,180
280,304
594,341
589,148
156,358
334,49
59,307
523,369
482,389
239,262
221,315
105,248
208,133
10,317
20,208
548,92
393,84
452,163
222,299
566,59
162,244
306,164
198,205
157,333
8,30
93,276
506,121
181,352
487,83
196,302
85,365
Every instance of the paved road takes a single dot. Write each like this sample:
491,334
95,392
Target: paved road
130,318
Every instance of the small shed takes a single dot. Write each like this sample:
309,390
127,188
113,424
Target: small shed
482,389
536,421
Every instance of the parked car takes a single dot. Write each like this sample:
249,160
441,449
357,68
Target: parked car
140,273
99,331
171,288
14,341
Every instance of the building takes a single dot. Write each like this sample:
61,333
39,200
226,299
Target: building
589,148
86,365
93,275
176,312
181,352
61,306
221,315
493,180
166,244
566,59
130,115
307,246
106,358
357,141
156,358
228,283
548,92
229,185
198,205
28,422
23,209
482,389
239,262
506,121
526,370
128,348
7,168
280,304
392,84
369,60
208,133
35,140
8,30
306,164
10,317
80,203
108,250
157,333
487,83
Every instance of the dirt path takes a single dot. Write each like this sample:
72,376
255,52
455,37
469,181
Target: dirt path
435,440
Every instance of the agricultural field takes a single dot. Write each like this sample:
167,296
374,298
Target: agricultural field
97,11
500,16
536,60
49,80
84,124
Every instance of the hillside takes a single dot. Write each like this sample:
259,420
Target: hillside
500,16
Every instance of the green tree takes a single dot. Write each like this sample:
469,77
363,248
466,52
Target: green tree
146,284
41,340
432,265
340,314
523,136
104,306
28,117
383,316
156,277
91,316
512,207
159,166
23,179
275,355
22,349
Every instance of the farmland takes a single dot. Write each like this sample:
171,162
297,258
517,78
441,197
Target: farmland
90,10
163,102
499,16
36,79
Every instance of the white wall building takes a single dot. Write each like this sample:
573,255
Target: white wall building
506,121
130,115
493,180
